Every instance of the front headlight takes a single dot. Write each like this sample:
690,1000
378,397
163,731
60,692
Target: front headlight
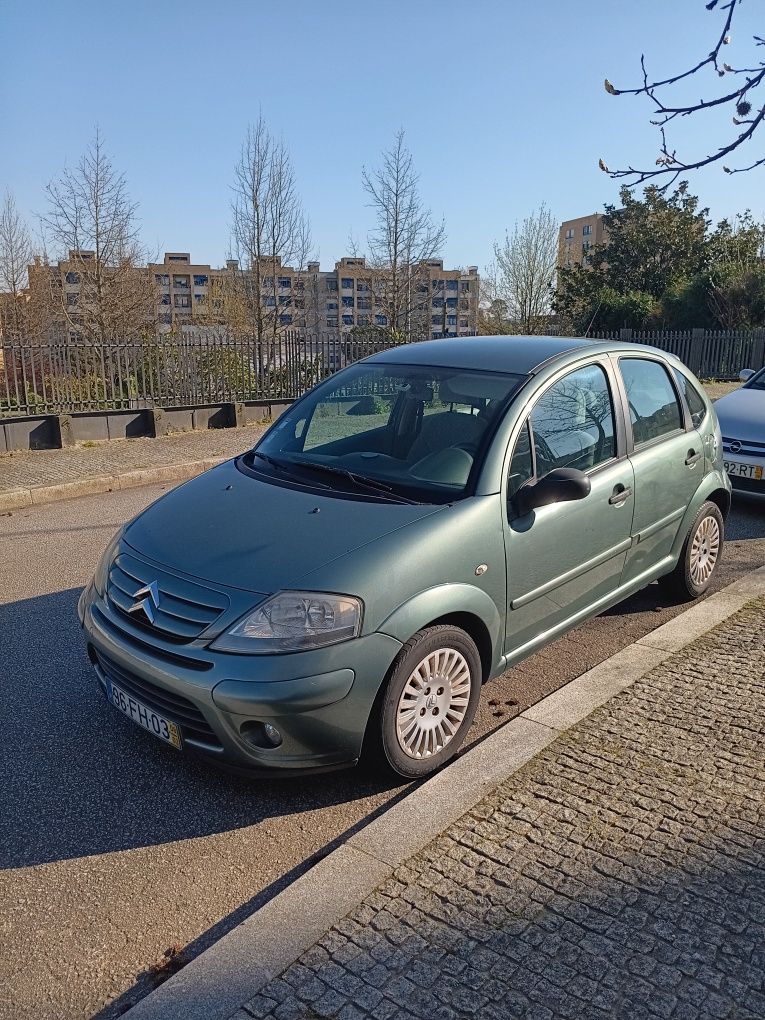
293,621
101,575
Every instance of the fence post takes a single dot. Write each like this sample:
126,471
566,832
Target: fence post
61,425
235,418
157,422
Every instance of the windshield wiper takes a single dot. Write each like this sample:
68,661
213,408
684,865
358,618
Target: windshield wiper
269,460
361,481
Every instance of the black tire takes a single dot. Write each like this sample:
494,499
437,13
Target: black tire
689,580
384,748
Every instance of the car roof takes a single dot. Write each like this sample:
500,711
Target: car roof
519,355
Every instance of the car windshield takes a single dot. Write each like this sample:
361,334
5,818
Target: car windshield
395,431
757,381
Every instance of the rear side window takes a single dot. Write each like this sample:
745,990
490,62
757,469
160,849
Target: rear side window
693,398
654,408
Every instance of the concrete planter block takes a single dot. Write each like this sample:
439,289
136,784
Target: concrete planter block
157,421
62,430
90,427
127,424
30,434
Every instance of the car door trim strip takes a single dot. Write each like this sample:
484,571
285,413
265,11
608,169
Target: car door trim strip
570,575
658,525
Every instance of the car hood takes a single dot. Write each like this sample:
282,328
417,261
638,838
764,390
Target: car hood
241,532
742,415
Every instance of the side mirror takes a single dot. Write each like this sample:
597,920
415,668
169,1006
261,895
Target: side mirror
746,374
562,485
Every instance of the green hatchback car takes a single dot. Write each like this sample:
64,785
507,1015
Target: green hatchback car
407,530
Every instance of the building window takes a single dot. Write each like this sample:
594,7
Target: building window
269,301
363,320
181,283
332,306
332,321
161,279
164,299
438,284
200,297
347,283
165,318
437,335
200,280
464,324
267,281
451,320
464,286
381,320
438,302
72,299
347,302
569,233
178,258
182,301
285,320
364,303
285,299
451,284
72,277
585,247
451,302
347,320
586,230
435,320
362,287
285,281
332,286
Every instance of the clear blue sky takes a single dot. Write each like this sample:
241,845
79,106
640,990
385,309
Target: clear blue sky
502,102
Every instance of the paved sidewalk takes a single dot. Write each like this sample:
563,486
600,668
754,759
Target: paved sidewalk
32,468
619,874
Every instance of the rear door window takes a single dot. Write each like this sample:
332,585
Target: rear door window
654,408
693,398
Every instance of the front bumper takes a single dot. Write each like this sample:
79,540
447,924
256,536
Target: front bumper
319,700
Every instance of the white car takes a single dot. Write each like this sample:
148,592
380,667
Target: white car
742,422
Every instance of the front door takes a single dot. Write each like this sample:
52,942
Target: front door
563,558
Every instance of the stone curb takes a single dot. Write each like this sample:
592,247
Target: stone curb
225,977
18,499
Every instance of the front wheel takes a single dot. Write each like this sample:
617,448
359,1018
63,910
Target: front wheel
428,703
700,556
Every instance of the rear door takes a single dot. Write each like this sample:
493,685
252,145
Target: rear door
667,456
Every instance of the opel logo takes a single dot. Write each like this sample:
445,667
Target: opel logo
146,601
735,446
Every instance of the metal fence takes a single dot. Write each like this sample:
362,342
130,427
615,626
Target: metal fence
210,368
169,371
710,354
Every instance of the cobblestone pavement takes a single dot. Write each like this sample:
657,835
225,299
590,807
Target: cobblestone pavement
49,467
620,874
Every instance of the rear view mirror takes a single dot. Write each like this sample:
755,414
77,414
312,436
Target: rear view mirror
562,485
746,374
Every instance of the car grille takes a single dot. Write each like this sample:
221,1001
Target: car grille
182,611
748,447
193,724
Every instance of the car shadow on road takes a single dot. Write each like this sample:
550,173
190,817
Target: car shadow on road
79,780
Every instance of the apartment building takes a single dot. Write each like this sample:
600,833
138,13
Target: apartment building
441,301
577,237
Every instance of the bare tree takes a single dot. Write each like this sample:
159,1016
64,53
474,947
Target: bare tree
15,256
738,95
91,223
405,236
525,270
270,229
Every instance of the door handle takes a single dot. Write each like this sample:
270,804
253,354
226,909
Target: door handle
692,457
620,494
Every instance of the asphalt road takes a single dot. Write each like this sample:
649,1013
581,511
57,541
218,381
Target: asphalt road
115,848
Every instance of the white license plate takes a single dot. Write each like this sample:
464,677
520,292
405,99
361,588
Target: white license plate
145,716
735,467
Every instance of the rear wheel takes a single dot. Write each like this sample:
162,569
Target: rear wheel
700,556
428,703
